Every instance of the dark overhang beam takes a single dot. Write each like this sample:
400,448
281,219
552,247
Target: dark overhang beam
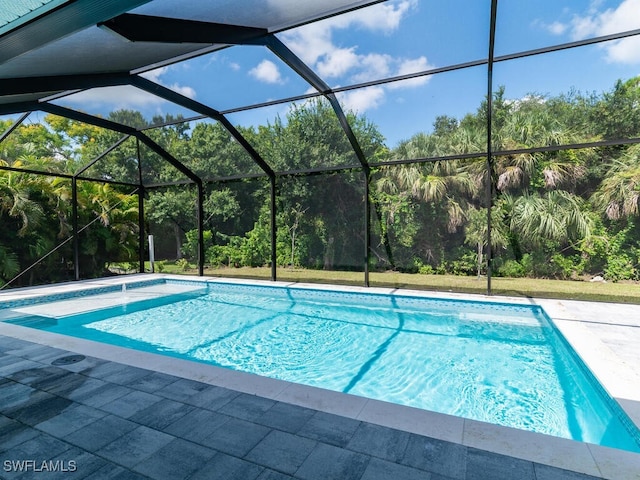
15,125
186,102
147,28
86,118
288,57
168,157
101,156
118,127
54,83
69,18
294,62
18,107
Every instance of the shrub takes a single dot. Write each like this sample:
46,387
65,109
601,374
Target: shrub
182,264
511,268
567,267
619,267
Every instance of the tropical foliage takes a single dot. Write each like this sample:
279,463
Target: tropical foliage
556,213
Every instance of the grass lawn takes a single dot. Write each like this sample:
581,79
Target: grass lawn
624,292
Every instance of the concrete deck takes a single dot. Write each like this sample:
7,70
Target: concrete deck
125,414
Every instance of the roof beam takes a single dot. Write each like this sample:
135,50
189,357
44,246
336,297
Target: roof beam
26,85
118,127
147,28
301,68
69,18
186,102
15,125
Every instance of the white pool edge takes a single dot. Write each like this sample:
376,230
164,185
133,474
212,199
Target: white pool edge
545,449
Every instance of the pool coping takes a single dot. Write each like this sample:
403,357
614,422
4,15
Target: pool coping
571,455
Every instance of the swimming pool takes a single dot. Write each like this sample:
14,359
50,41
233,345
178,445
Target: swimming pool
495,362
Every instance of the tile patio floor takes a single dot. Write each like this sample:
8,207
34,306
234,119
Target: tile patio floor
116,421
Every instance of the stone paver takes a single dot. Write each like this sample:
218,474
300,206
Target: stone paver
113,422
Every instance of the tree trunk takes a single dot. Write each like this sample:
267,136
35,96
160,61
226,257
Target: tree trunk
178,237
329,253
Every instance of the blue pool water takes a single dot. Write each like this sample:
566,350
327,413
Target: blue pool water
494,362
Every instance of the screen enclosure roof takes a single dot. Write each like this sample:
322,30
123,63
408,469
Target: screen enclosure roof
52,51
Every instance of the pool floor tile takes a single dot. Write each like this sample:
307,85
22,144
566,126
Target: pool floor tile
436,456
177,460
189,436
247,407
131,403
153,382
97,394
545,472
83,466
40,407
181,389
382,442
289,418
32,376
236,437
126,376
15,434
486,466
327,462
161,414
329,428
225,467
212,397
39,448
378,469
273,475
197,425
135,446
13,394
70,420
101,432
281,451
114,472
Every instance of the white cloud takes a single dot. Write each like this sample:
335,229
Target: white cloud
623,18
337,62
116,98
155,76
407,67
374,65
556,28
382,17
315,45
362,100
311,41
126,96
266,71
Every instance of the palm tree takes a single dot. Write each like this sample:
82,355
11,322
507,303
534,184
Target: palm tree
556,216
619,192
530,124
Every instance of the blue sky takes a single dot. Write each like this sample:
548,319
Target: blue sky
399,37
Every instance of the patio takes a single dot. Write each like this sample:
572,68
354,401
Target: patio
121,413
111,420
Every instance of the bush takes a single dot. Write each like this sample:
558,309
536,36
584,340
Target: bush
511,268
190,247
426,270
467,264
567,267
182,264
619,267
